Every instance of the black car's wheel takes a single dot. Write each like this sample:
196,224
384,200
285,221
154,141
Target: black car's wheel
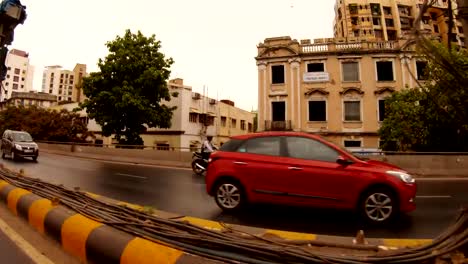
13,156
229,196
34,158
197,167
378,206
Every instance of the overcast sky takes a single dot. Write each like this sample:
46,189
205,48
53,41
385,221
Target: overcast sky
213,42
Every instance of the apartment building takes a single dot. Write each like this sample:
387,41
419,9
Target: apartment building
65,84
195,117
20,73
31,98
334,89
391,20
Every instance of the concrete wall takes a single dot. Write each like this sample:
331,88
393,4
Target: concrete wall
419,165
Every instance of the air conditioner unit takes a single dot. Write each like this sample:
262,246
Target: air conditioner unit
212,101
196,96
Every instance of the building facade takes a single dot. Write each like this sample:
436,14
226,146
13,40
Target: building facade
334,89
31,98
65,84
196,116
19,76
391,20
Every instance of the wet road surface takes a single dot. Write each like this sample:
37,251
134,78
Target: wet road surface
179,191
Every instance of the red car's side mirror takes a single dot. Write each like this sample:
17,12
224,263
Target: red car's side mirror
343,162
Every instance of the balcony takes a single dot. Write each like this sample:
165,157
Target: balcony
278,125
349,47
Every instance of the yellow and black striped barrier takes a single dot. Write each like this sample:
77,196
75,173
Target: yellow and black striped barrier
90,241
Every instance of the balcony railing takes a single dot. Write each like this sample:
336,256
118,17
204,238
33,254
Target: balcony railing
350,46
278,125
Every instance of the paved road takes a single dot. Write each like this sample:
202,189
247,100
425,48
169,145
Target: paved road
179,191
11,252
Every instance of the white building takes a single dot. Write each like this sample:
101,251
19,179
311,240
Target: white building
63,83
19,76
196,117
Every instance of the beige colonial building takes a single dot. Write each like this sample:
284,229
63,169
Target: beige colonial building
337,86
27,99
391,20
334,89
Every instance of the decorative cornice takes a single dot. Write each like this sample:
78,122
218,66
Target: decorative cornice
317,90
384,89
350,90
276,48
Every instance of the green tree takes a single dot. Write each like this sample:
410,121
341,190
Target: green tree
124,97
44,124
433,117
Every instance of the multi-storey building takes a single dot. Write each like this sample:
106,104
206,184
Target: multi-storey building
30,98
19,76
335,89
391,20
196,116
65,84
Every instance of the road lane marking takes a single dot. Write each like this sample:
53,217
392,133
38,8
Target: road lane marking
433,196
24,245
131,176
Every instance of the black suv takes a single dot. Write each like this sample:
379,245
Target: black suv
19,144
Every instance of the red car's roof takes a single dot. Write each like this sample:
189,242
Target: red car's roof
273,133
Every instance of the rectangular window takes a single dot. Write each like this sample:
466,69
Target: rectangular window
277,74
162,146
353,9
209,121
350,71
250,127
420,69
381,110
223,121
352,143
389,22
242,124
17,71
15,86
354,21
233,123
379,34
376,21
315,67
387,10
193,117
375,9
15,78
352,111
317,111
384,71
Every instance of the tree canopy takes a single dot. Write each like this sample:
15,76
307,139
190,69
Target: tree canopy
125,96
45,124
433,117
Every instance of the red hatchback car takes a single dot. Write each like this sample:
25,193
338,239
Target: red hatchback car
301,169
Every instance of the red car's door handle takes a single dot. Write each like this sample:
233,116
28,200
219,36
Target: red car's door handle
240,163
294,168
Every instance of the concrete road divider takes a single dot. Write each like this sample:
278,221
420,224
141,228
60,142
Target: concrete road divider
89,240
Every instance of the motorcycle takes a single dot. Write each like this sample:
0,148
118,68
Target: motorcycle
199,164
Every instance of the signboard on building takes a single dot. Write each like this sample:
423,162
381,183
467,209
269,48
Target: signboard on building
316,77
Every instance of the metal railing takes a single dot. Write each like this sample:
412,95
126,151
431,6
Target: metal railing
278,125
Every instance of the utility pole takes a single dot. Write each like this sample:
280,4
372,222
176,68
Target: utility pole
12,13
450,25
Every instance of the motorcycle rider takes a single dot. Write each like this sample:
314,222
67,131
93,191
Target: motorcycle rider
207,147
